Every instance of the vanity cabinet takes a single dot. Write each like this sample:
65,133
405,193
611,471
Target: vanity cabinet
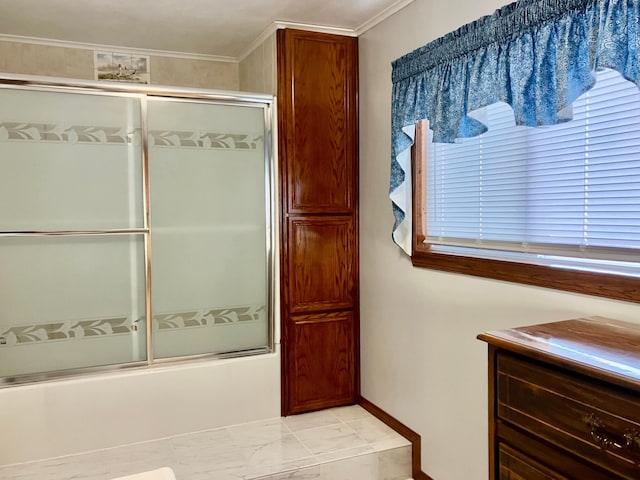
564,401
318,164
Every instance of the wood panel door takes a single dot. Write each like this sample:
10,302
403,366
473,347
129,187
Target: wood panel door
321,372
321,260
317,101
318,160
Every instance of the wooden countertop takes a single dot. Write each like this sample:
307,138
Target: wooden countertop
596,346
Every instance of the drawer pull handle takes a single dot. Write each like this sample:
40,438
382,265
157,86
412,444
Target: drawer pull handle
632,438
598,431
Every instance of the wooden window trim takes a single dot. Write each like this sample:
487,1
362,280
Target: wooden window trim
616,287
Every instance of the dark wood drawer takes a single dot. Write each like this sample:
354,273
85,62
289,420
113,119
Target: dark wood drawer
528,456
515,465
596,421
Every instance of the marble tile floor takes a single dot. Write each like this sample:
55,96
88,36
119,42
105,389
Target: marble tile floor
344,443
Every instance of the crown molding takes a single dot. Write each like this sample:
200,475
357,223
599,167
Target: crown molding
310,27
115,48
383,15
270,30
280,24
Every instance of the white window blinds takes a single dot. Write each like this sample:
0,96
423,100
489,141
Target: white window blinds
571,189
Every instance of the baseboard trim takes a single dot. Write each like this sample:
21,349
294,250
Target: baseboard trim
421,476
402,429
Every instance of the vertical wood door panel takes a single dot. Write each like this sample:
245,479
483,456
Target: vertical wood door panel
318,163
320,134
322,361
320,263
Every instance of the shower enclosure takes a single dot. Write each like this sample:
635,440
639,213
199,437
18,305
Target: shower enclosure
135,226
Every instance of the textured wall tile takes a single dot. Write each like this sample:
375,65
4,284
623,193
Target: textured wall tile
271,65
186,74
228,76
209,75
79,63
242,73
51,61
21,58
45,60
248,69
171,71
163,70
258,69
3,56
181,72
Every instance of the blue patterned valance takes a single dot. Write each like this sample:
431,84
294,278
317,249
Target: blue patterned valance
536,55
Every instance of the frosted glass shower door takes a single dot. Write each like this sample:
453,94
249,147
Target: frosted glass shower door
209,210
72,276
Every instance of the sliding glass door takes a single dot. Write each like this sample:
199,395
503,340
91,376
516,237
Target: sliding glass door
72,283
134,228
208,227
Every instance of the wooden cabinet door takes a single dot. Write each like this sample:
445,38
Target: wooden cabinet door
317,102
318,138
321,361
321,263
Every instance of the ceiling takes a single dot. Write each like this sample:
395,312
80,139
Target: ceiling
221,28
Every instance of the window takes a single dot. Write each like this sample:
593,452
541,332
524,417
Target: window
555,206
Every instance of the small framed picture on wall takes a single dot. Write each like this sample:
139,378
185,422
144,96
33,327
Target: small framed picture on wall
121,67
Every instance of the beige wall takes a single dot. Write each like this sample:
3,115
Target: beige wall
420,359
258,72
35,59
